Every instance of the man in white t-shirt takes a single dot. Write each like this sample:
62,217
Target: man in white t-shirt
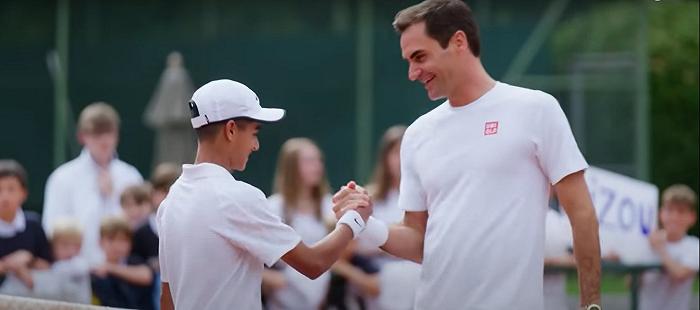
678,252
217,232
476,173
88,187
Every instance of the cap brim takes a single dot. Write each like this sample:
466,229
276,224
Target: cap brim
268,115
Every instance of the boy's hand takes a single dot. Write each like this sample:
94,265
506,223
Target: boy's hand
104,181
17,260
657,239
101,270
352,197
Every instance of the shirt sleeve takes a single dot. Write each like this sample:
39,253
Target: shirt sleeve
161,245
412,195
557,151
691,256
56,202
249,223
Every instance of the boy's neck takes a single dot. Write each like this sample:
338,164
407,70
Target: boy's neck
8,216
675,237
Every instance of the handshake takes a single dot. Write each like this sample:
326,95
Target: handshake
353,207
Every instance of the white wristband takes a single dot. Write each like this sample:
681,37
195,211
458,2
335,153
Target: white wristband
353,220
376,233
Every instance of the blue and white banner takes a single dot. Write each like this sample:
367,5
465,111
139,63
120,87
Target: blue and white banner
627,213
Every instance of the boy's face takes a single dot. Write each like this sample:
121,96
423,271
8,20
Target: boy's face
65,247
12,196
101,146
135,212
116,247
677,217
244,143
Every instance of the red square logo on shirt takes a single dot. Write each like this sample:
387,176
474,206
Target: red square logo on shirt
490,128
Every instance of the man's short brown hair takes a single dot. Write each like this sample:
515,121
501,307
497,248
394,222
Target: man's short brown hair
442,19
164,176
98,118
137,193
112,226
679,193
11,168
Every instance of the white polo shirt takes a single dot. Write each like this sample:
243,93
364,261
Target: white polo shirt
483,172
215,235
72,191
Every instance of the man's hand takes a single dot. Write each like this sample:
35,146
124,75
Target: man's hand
352,197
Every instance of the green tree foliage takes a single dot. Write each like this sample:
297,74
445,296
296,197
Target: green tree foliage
673,73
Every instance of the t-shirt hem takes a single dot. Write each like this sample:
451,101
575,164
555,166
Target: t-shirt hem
569,171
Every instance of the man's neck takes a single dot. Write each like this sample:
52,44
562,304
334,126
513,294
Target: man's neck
473,83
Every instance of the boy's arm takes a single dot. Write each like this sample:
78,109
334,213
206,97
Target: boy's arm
315,260
166,300
136,274
675,270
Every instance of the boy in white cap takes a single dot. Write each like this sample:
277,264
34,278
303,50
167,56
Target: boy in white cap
216,232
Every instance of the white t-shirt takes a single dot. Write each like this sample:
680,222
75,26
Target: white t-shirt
659,292
300,291
483,173
557,241
215,234
72,191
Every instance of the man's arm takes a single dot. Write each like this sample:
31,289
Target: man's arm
166,300
406,239
573,195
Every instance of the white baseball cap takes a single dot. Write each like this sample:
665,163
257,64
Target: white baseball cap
222,100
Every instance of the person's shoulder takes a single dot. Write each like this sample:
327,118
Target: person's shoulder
32,220
143,230
691,242
127,168
529,96
65,171
276,203
243,192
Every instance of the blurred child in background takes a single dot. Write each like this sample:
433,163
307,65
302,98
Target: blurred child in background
301,196
123,280
23,244
68,278
136,204
679,253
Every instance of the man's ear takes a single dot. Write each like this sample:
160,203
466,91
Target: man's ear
459,39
